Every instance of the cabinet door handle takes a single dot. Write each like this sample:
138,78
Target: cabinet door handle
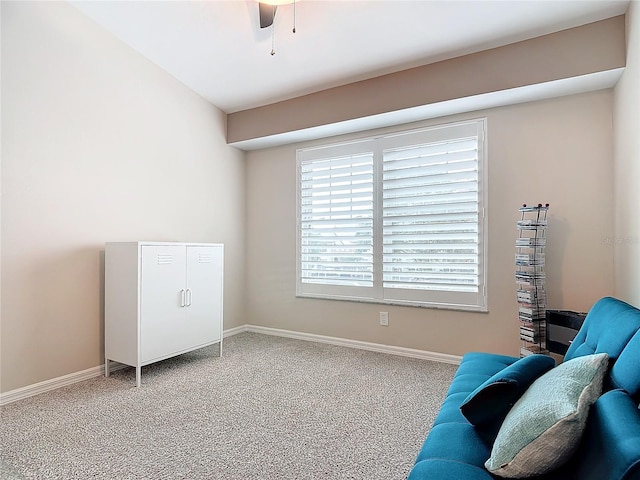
188,297
182,298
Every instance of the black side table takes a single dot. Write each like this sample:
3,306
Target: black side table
562,327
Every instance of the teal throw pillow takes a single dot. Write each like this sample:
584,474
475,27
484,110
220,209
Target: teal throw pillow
488,404
545,425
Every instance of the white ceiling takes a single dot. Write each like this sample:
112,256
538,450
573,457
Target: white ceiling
216,47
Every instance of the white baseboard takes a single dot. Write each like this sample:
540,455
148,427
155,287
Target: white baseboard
55,383
234,331
47,385
344,342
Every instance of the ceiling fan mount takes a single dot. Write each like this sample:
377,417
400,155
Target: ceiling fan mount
267,10
267,14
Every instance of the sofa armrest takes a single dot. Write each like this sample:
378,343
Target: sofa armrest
608,327
610,447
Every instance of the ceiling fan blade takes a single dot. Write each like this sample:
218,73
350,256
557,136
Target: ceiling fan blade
267,12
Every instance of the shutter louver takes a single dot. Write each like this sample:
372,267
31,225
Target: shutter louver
336,223
430,216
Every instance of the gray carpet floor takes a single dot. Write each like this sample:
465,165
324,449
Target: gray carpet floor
269,408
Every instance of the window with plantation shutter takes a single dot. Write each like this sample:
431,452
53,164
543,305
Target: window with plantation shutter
395,219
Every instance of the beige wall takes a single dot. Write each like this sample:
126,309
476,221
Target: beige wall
98,145
591,48
558,151
627,167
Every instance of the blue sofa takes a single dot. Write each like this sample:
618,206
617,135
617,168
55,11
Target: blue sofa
609,447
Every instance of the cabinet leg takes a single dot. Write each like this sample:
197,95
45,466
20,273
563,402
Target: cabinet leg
106,367
138,375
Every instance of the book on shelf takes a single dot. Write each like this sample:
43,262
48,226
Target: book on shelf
532,334
530,259
531,224
528,335
537,326
531,242
529,278
529,339
527,294
530,313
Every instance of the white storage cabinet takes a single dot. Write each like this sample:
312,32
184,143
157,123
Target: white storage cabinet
161,300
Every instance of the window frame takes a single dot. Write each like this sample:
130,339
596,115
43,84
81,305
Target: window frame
378,294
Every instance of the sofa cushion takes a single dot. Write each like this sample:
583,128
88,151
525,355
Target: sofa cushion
610,448
450,410
544,427
466,383
488,404
444,441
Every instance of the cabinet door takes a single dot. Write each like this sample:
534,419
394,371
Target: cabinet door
204,288
163,292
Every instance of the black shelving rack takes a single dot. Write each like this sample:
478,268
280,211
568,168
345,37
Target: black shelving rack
530,278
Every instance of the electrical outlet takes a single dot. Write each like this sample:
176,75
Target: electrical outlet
384,319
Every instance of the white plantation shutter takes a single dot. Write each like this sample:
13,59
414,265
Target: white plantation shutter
431,216
336,220
426,229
